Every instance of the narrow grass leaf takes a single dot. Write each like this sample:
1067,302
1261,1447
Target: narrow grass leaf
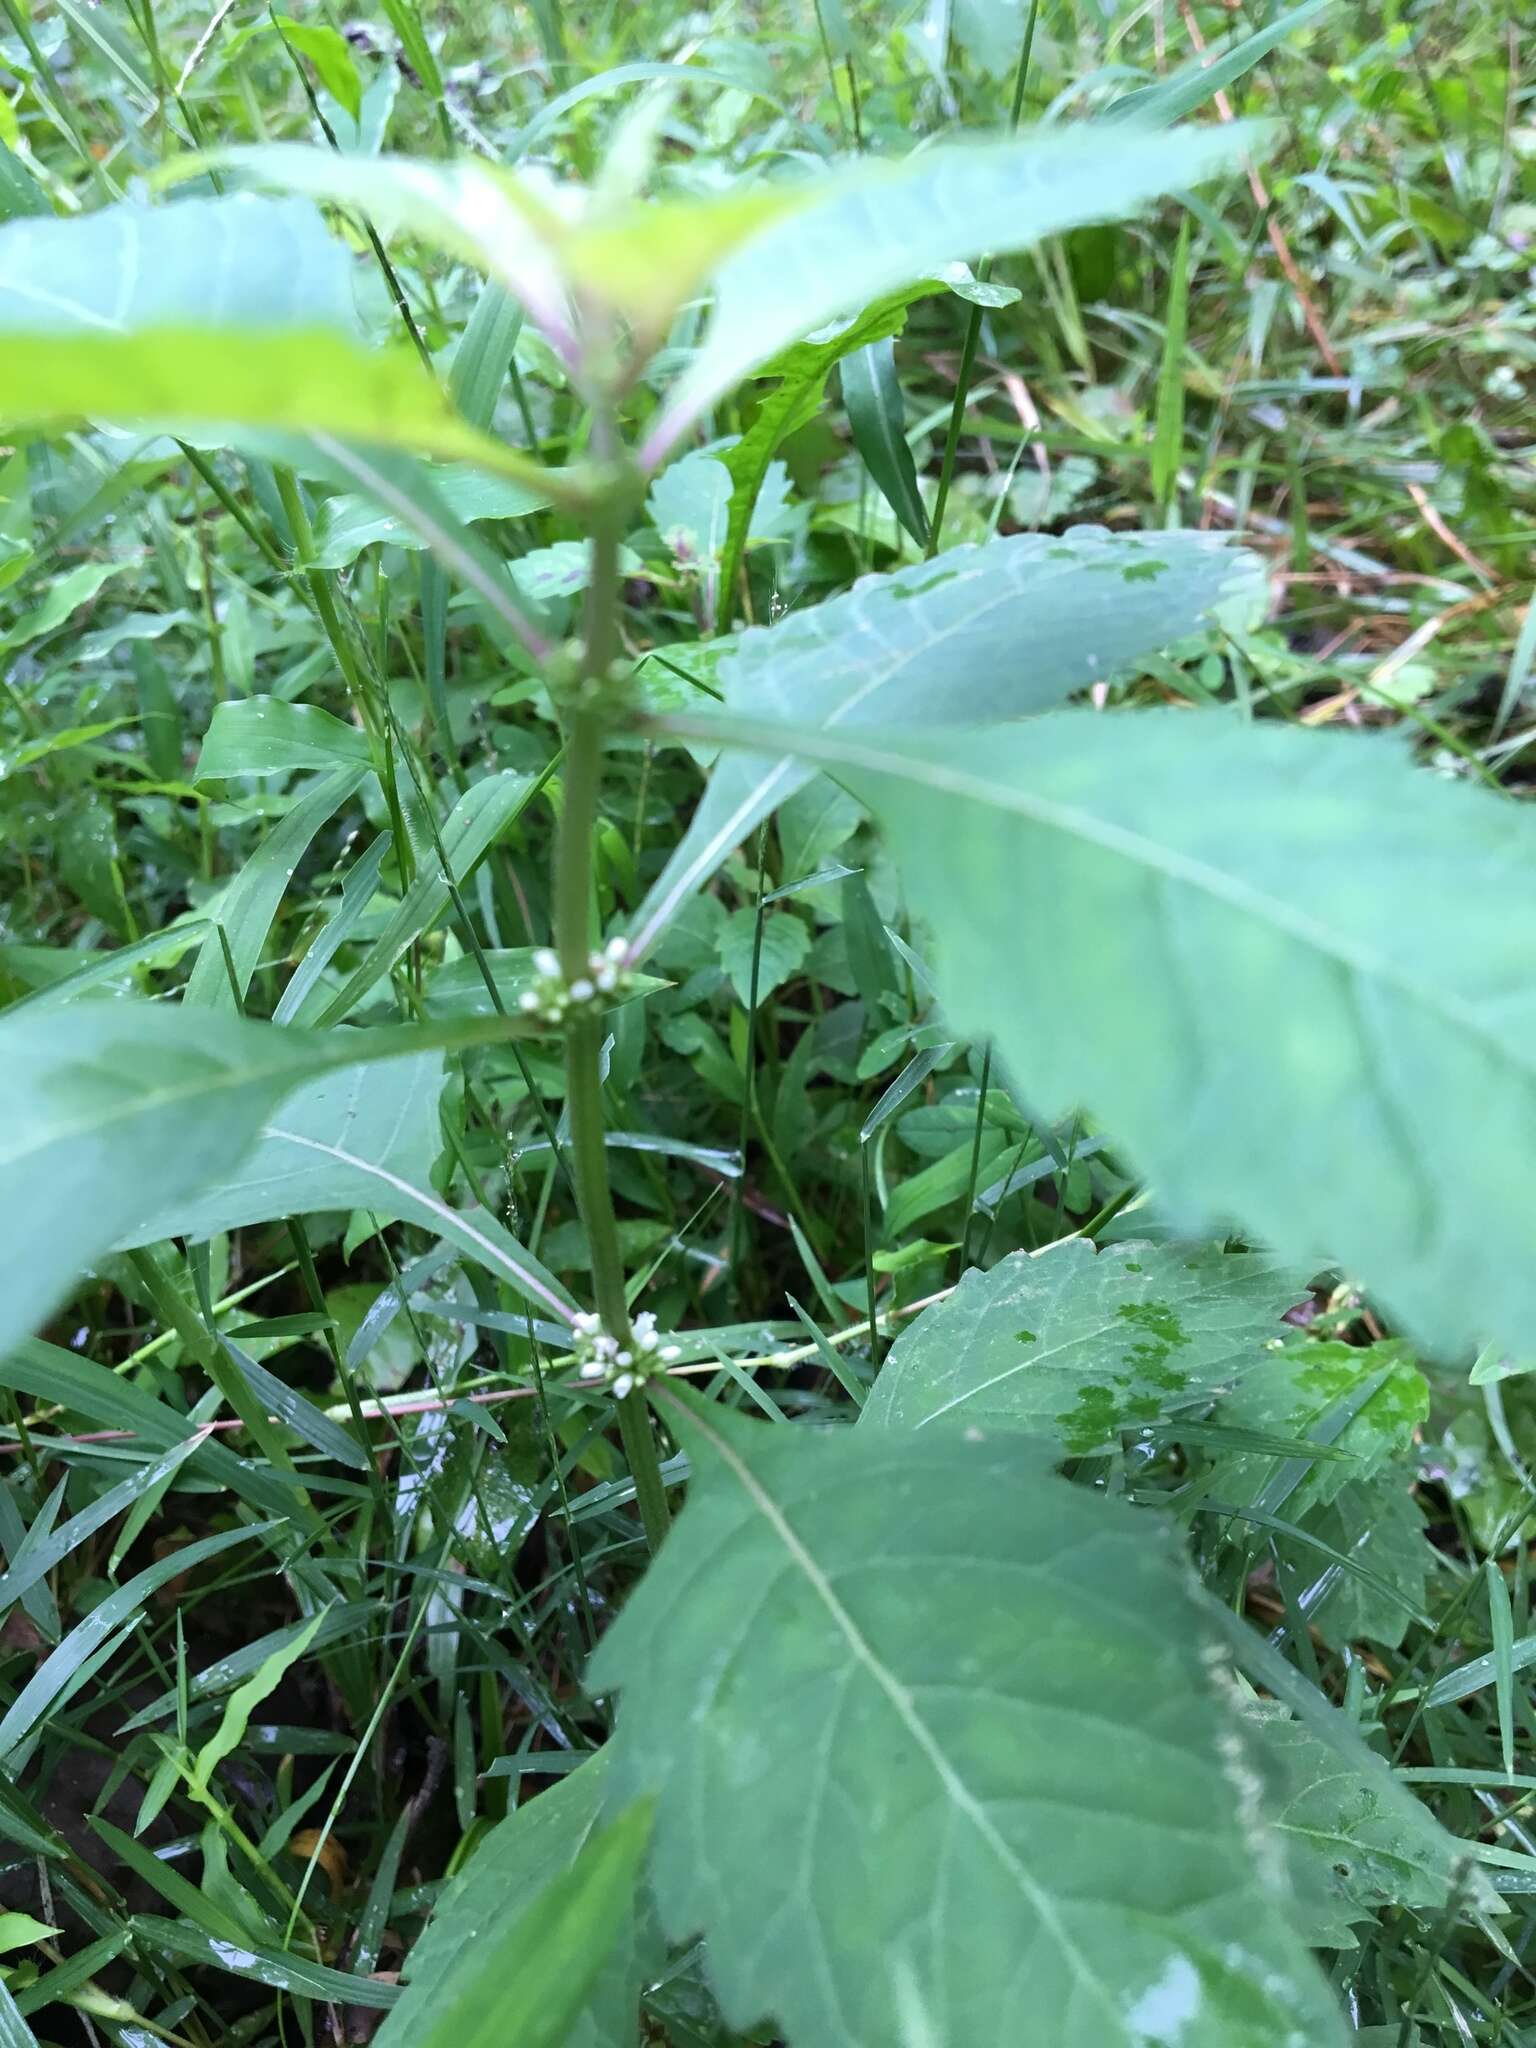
877,416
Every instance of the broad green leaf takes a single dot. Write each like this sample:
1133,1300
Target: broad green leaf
857,1679
979,635
248,907
1077,1345
533,1977
331,1145
474,210
1355,1840
226,313
328,51
294,380
497,1890
238,263
113,1110
785,942
357,1138
64,596
870,228
1374,1394
351,522
1299,940
269,736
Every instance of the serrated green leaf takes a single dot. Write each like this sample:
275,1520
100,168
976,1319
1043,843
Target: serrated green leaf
1076,1345
1306,1383
855,1679
112,1111
801,373
1355,1840
979,635
786,941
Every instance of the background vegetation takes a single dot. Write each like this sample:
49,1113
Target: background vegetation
1335,358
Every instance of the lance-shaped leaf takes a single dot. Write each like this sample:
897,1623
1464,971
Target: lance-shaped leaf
1076,1345
1290,971
113,1112
875,226
234,313
979,635
856,1678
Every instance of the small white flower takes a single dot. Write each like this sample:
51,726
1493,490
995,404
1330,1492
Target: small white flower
545,961
582,990
645,1323
528,1001
607,978
606,1346
670,1353
588,1324
623,1358
594,1369
624,1384
617,947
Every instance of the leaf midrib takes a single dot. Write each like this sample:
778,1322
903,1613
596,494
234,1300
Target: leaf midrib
901,1700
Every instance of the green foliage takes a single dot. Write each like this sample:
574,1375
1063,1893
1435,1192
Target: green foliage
916,1616
1196,851
371,708
1078,1347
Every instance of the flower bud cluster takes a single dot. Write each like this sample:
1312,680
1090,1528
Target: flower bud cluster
552,998
601,1358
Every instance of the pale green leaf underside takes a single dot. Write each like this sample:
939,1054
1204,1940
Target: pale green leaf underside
876,226
1289,971
977,636
326,1147
230,262
530,1976
151,1109
233,313
935,1747
1076,1346
111,1109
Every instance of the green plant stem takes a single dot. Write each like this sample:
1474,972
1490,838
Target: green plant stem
973,324
584,1033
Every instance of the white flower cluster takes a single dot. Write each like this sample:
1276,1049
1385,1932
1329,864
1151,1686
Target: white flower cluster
600,1356
552,997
